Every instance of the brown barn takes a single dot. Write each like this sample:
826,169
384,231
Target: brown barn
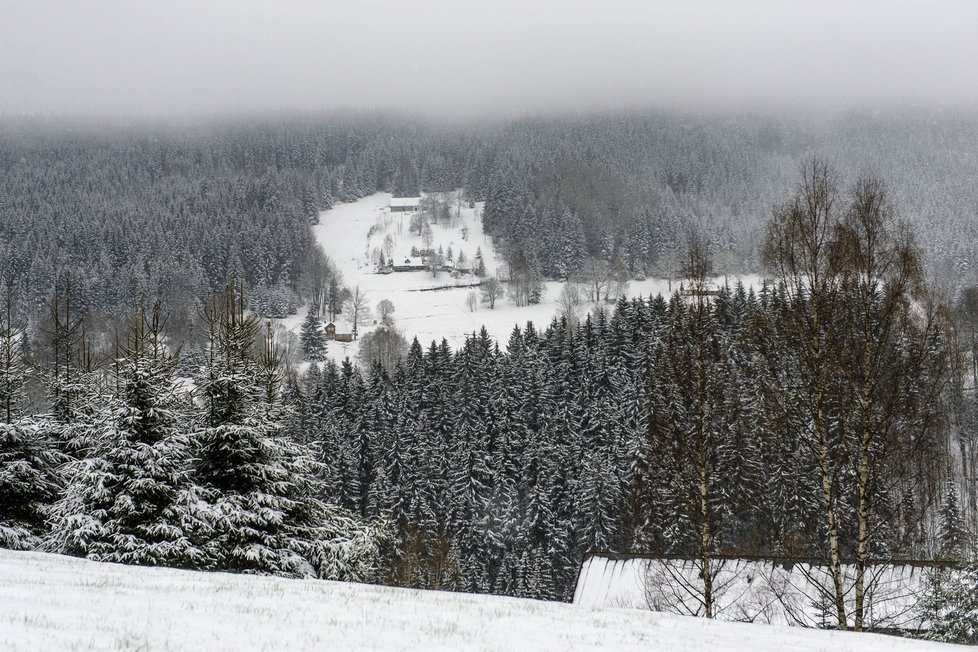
330,331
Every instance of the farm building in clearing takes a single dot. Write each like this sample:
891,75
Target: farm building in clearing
764,590
410,264
405,204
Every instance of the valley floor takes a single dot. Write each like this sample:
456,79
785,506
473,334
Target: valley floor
50,602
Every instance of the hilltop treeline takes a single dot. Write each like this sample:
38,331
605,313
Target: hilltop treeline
176,211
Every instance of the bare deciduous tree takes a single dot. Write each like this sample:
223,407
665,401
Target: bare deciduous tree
702,444
796,249
384,345
358,310
491,290
617,282
318,273
593,277
870,367
569,304
887,331
385,310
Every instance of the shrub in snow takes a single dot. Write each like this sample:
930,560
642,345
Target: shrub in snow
952,606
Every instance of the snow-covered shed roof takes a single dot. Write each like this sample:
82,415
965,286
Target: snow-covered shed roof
405,202
775,591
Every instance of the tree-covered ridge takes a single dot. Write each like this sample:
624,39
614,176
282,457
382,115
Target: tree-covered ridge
175,211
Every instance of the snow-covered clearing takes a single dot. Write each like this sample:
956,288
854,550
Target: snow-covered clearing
349,232
50,602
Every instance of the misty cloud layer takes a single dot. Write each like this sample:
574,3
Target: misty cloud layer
464,58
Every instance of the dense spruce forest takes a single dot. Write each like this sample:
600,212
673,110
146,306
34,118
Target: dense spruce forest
148,416
176,211
694,425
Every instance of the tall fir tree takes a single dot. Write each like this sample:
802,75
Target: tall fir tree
30,478
264,513
312,335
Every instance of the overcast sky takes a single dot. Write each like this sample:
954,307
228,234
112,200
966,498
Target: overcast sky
488,57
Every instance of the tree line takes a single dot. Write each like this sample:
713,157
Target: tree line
815,417
175,211
129,466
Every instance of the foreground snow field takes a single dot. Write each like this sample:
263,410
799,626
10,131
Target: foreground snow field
49,602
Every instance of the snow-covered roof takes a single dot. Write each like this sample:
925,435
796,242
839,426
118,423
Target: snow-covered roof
412,202
411,261
772,591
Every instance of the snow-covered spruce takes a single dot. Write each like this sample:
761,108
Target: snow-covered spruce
29,482
125,502
258,487
952,607
29,460
313,336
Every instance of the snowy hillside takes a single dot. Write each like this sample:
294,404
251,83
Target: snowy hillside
351,232
49,602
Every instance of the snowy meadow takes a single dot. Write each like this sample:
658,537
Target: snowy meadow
50,602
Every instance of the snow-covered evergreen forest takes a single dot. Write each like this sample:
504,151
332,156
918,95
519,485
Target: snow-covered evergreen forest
830,413
176,211
128,467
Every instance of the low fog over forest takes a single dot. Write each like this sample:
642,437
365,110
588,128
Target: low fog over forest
474,298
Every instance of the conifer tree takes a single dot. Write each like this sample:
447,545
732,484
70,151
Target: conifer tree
264,513
30,480
951,606
14,368
952,534
480,264
312,335
123,501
